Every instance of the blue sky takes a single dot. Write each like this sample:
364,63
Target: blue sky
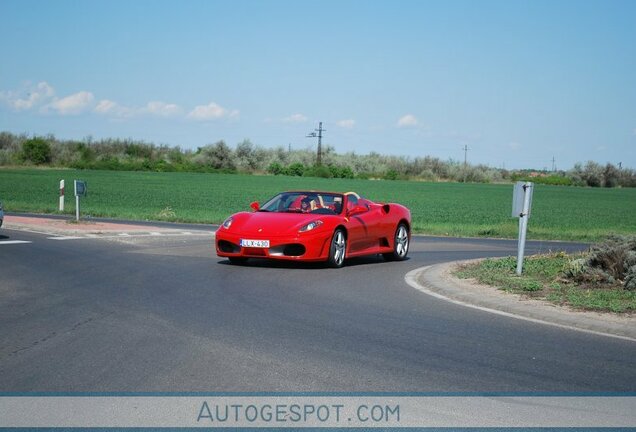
518,82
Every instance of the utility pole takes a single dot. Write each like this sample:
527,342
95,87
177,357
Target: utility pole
465,160
553,164
320,130
465,155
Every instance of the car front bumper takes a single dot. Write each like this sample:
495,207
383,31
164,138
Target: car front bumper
303,247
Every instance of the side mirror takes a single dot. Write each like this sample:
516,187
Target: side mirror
357,210
255,206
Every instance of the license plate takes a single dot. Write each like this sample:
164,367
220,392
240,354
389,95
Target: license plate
255,243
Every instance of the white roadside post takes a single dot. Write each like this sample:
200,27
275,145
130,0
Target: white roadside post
77,209
61,195
521,205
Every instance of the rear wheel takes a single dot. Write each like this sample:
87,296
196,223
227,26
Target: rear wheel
400,244
237,260
337,249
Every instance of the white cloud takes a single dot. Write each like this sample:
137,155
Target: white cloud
42,96
156,108
514,145
73,104
106,106
163,109
408,120
295,118
211,111
348,124
113,109
35,96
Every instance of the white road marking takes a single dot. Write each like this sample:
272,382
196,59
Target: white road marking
128,235
4,242
411,279
28,230
65,238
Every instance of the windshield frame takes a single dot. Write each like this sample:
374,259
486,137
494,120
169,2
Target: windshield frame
325,203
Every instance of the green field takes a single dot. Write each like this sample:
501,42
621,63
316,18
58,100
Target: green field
454,209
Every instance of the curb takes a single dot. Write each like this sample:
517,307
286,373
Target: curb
435,280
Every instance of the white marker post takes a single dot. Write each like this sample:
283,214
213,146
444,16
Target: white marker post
521,204
76,206
61,195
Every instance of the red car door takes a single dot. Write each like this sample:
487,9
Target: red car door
361,226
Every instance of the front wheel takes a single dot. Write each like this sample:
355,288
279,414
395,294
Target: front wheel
337,249
400,244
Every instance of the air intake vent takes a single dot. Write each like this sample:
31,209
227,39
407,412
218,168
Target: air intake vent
294,250
228,247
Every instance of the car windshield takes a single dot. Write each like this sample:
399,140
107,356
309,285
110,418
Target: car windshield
304,202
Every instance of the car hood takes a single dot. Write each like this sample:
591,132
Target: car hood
272,224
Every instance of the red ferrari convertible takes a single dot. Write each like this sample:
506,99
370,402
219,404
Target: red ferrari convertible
316,226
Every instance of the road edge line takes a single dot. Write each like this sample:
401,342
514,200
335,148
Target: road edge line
412,280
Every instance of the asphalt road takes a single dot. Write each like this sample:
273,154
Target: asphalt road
163,313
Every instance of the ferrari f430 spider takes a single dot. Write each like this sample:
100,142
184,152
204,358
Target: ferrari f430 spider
316,226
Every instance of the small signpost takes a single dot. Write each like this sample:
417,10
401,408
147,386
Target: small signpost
80,190
521,205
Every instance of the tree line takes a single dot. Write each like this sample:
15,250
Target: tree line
245,157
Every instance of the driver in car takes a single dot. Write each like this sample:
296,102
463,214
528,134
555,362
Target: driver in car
305,205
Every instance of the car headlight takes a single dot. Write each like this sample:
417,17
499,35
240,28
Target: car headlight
227,223
311,225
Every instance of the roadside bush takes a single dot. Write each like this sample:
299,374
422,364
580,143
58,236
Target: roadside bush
346,172
627,178
135,150
36,151
610,176
391,175
218,156
295,169
246,156
340,172
553,179
275,168
318,171
612,262
630,279
428,175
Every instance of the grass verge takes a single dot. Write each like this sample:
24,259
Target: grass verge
544,277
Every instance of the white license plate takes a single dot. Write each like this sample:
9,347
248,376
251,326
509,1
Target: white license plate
255,243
